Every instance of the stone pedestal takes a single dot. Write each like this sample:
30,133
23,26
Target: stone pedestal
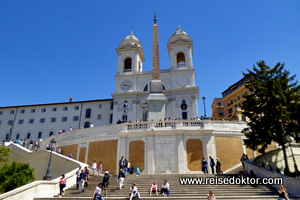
156,106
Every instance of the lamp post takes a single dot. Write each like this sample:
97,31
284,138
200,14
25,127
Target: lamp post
204,99
47,176
10,133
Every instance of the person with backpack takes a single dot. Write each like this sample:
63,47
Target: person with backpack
105,182
121,178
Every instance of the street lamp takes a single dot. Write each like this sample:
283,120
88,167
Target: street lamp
10,133
204,99
47,176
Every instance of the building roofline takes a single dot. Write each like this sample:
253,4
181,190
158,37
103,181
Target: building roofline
235,85
47,104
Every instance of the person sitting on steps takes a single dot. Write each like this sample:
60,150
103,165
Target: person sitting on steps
154,189
165,188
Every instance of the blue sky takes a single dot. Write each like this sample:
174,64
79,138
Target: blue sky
52,49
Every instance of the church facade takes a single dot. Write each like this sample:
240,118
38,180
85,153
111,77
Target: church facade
152,119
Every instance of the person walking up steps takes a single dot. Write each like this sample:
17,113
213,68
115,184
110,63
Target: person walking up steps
121,178
105,182
99,168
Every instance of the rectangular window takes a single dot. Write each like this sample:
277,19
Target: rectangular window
43,109
1,112
12,112
75,118
112,105
22,111
10,122
54,109
32,110
221,113
99,117
219,104
31,121
111,118
65,108
64,119
184,115
21,121
0,122
76,107
100,105
42,120
53,119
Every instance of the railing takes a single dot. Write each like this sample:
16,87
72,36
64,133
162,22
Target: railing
193,124
139,125
177,124
164,124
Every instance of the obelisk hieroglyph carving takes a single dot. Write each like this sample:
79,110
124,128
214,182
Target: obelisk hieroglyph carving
156,99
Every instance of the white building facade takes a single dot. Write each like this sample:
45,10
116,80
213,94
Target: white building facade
132,85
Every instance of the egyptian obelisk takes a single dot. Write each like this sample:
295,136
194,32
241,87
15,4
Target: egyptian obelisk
156,99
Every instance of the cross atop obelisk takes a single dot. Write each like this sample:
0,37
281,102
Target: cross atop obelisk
156,86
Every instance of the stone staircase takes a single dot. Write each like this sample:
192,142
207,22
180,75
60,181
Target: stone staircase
187,192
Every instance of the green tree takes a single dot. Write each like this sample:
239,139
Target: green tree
272,107
4,155
15,175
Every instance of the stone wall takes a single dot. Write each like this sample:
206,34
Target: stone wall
105,151
194,150
137,154
229,151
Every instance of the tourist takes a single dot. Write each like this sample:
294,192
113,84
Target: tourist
134,192
137,171
204,166
105,182
94,167
218,167
82,180
126,165
78,177
212,164
211,196
121,178
91,125
154,189
122,163
165,188
62,185
70,128
99,168
59,150
128,168
131,169
283,195
243,159
70,155
98,191
86,171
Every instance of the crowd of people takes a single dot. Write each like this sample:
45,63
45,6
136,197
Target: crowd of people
213,165
165,119
29,144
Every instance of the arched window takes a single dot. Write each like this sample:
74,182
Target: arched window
40,135
18,136
88,113
127,65
87,125
51,133
163,87
28,135
7,136
180,60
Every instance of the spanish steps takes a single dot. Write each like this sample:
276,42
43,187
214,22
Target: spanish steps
178,191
